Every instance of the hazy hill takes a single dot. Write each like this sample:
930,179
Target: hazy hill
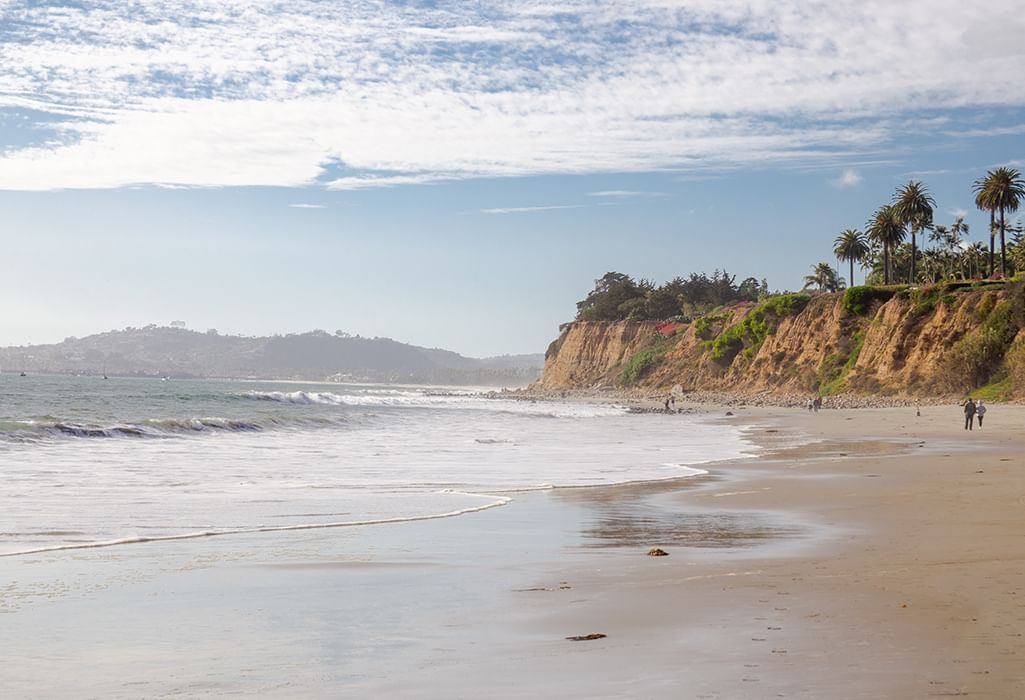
159,351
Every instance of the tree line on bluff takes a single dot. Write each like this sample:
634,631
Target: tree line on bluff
618,297
883,249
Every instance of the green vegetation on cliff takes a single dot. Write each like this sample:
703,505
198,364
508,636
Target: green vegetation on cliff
749,334
645,359
982,357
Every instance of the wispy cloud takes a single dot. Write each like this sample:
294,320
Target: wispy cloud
204,93
624,194
848,178
1015,130
306,206
524,210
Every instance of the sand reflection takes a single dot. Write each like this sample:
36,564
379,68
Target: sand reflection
642,525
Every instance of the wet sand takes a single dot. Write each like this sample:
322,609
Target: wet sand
867,554
913,587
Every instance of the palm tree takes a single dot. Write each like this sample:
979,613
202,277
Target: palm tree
982,201
914,205
950,238
824,277
851,246
959,229
885,228
975,257
1001,190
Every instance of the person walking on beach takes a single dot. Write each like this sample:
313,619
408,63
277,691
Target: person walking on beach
980,411
969,413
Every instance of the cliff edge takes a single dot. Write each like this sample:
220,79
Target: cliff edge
947,339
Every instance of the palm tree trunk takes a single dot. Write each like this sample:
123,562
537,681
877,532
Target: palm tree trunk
1003,253
912,280
852,272
886,263
992,215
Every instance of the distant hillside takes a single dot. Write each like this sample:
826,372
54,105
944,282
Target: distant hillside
176,352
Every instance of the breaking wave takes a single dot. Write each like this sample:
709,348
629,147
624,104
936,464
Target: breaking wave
34,431
411,399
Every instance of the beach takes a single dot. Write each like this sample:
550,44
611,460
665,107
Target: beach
862,553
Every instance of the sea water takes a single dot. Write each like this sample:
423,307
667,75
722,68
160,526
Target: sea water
87,462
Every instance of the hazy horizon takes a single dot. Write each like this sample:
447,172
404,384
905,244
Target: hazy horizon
455,175
310,331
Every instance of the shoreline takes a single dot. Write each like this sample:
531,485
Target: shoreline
650,401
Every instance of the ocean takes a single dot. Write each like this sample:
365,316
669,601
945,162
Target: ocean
87,462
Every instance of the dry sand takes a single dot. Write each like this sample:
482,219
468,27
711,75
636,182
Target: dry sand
912,587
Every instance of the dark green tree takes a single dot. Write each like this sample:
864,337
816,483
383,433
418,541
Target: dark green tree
610,292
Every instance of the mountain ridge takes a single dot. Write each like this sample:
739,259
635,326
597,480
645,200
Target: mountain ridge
178,352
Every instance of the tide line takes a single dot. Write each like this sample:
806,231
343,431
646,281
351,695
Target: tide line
501,501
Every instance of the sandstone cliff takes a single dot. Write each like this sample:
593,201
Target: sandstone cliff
942,340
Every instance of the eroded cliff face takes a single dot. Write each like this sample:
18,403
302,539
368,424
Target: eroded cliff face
916,343
585,352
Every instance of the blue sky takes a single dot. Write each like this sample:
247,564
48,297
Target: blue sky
457,174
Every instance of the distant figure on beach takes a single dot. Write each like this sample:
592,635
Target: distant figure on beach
817,403
811,405
969,413
672,401
980,411
667,405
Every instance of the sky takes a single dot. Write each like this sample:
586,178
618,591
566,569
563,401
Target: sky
457,174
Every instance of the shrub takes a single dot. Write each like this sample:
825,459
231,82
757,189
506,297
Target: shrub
860,300
834,369
642,361
1016,365
974,359
989,300
749,334
639,364
704,327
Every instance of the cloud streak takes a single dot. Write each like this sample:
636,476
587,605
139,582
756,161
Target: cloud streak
624,194
209,94
526,210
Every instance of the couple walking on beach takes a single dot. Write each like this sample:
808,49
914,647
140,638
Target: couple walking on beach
972,411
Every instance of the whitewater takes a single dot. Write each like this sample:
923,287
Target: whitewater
87,462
